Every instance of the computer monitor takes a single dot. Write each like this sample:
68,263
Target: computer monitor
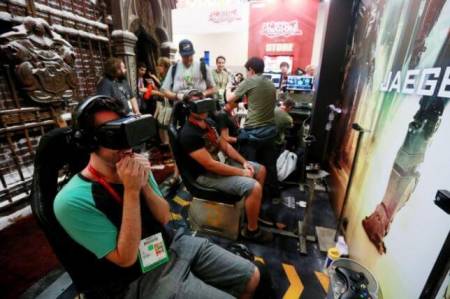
274,77
300,83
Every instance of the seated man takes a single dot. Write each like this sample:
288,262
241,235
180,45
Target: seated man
216,164
114,209
283,121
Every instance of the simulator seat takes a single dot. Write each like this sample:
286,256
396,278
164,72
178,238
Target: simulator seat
210,211
56,153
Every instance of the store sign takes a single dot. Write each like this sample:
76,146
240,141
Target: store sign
281,29
280,47
224,16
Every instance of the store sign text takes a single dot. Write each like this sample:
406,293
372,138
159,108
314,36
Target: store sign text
280,47
281,28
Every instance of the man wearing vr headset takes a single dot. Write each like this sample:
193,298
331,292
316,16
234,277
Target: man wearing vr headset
115,210
216,164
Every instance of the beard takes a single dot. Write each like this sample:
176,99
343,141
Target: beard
121,76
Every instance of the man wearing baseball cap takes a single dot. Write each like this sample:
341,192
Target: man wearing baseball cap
187,74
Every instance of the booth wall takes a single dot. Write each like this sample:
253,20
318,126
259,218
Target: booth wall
404,158
283,22
220,29
219,44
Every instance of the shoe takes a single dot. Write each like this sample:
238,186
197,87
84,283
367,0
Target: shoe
260,236
266,221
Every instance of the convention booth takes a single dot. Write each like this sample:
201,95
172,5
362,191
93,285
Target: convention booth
362,167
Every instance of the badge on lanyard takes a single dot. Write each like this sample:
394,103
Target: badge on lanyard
152,252
221,157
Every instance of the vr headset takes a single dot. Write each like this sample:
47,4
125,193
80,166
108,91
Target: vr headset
126,132
203,106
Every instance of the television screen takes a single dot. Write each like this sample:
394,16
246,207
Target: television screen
300,83
274,77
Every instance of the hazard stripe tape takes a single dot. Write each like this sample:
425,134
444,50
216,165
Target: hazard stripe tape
181,201
296,287
323,279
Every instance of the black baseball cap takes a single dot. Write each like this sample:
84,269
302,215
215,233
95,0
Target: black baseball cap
186,48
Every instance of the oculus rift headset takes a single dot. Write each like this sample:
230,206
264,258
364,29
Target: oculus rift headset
199,106
126,132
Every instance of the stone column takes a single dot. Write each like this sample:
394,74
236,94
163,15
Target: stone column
124,43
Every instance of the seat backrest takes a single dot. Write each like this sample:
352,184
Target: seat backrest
56,153
181,159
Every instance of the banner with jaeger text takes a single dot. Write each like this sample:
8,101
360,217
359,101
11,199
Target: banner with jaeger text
396,86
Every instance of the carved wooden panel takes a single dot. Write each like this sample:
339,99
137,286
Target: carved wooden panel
81,24
43,62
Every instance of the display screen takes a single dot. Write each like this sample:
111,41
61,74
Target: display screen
274,77
300,83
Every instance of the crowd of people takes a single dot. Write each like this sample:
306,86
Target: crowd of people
227,157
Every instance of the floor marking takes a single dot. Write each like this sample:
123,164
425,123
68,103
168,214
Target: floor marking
323,279
175,216
295,289
181,201
259,259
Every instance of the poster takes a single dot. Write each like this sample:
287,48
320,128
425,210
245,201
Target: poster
397,86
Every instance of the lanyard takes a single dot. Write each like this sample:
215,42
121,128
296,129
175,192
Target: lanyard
101,180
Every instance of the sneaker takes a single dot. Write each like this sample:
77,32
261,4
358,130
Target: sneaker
260,236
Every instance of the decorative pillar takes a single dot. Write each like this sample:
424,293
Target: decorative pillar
124,43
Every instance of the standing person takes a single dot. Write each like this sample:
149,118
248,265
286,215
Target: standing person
284,69
187,74
256,140
114,209
115,84
221,78
163,106
146,104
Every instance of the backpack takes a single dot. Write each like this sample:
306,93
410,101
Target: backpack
286,164
174,70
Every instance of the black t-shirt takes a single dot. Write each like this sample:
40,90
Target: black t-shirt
119,89
224,120
193,138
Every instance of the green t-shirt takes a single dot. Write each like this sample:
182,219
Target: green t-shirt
283,121
76,210
261,94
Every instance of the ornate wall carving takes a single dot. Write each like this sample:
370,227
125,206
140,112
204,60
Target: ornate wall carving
42,60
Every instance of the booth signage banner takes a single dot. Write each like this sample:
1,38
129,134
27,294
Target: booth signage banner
290,24
397,86
207,20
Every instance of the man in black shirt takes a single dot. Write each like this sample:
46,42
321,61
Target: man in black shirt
115,84
216,164
227,123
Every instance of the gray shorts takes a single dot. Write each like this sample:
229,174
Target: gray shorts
197,269
234,185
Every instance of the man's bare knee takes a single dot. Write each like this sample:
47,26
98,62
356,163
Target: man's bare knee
252,283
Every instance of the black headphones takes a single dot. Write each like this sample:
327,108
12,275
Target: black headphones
82,138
